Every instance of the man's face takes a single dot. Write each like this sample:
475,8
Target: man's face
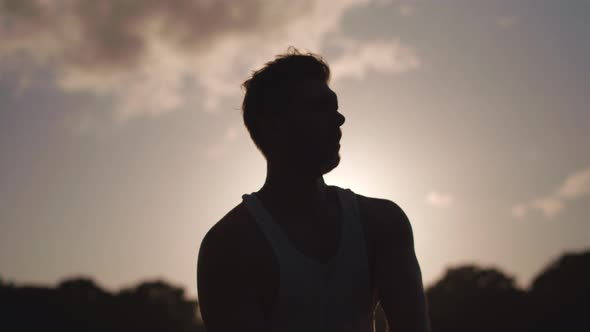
312,126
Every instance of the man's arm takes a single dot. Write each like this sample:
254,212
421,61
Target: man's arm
398,275
226,293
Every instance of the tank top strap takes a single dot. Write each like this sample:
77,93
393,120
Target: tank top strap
277,238
353,241
279,241
349,203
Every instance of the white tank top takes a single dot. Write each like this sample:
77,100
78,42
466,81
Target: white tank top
313,296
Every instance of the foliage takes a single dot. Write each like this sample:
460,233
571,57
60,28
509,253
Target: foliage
466,298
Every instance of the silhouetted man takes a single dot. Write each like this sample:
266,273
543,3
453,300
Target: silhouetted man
300,255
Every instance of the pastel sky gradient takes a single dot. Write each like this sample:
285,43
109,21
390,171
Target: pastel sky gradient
122,142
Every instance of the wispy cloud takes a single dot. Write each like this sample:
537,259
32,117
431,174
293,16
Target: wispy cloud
574,186
550,206
383,56
383,3
141,53
406,9
507,22
439,199
519,211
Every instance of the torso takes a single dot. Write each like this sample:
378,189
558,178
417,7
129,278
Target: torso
320,243
315,236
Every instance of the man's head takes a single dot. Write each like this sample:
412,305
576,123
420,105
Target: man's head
291,113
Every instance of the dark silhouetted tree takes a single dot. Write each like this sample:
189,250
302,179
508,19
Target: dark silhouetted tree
470,298
561,295
78,304
160,307
467,298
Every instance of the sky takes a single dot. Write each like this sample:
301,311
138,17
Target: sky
122,141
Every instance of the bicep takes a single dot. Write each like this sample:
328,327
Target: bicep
227,298
399,278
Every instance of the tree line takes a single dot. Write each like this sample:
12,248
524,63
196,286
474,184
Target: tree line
467,298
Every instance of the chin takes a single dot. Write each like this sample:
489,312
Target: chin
331,165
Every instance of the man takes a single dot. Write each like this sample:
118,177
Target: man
300,255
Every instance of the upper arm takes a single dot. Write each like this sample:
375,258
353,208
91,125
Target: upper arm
226,294
398,275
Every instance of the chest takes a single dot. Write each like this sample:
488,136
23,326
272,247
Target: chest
315,236
318,238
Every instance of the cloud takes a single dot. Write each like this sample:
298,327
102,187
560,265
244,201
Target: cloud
383,3
549,206
139,51
383,56
406,10
574,186
142,53
506,22
438,199
519,211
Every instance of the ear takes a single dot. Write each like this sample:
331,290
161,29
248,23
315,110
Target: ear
273,126
278,124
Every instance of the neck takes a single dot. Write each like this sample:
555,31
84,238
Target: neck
289,187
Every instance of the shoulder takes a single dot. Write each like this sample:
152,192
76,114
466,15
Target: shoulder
228,233
225,280
385,218
382,212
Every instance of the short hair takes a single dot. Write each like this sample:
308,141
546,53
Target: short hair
267,90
